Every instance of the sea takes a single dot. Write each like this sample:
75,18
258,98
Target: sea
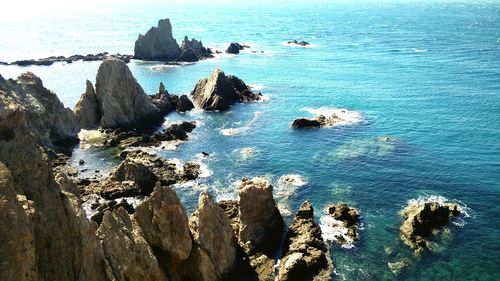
416,82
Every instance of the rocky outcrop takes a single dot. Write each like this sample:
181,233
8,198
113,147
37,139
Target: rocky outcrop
59,241
422,218
118,102
52,124
184,104
306,256
129,179
53,59
319,121
157,44
214,240
235,48
349,217
261,224
128,254
87,109
193,50
218,92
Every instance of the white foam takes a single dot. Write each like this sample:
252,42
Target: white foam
288,185
247,152
347,117
257,87
465,212
240,130
332,230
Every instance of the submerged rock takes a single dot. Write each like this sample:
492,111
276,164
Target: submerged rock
157,44
298,43
52,124
422,218
306,255
218,92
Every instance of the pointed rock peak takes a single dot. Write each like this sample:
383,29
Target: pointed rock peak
29,78
306,211
89,87
162,90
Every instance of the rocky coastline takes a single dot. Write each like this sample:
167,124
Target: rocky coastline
137,228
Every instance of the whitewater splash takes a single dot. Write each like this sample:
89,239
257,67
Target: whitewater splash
334,230
465,212
246,127
344,116
288,185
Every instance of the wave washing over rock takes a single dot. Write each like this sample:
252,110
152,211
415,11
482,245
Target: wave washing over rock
344,116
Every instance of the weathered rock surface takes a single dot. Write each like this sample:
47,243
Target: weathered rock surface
157,43
218,92
127,252
65,246
164,223
349,216
52,124
213,235
422,218
306,255
87,109
184,104
122,100
261,224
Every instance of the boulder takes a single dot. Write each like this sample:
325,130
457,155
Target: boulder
306,123
122,100
234,48
193,50
213,235
306,256
157,43
52,124
87,109
298,43
422,218
129,179
218,92
261,224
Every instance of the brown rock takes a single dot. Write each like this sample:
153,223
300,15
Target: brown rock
87,109
306,255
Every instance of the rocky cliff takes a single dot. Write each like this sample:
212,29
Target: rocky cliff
51,123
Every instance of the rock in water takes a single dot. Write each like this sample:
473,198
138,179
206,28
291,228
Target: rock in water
261,224
306,255
218,92
122,100
214,238
349,216
193,50
184,104
87,109
234,48
52,124
306,123
421,218
157,43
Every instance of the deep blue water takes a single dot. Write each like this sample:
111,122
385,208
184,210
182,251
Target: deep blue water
425,74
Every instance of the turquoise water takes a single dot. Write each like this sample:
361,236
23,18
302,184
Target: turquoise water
426,74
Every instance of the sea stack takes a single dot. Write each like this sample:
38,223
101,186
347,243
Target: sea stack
157,44
120,102
219,92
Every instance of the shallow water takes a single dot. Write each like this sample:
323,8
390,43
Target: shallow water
427,75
